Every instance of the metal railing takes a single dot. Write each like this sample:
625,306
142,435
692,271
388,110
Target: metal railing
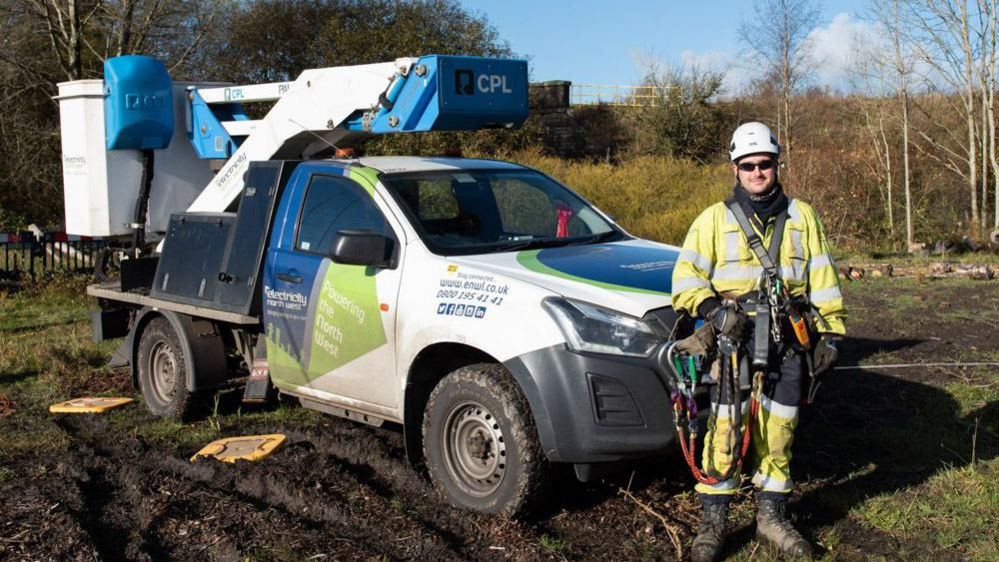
616,95
23,255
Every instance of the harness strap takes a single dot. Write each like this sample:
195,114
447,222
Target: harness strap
768,256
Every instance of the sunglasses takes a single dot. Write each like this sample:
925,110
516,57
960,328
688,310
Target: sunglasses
751,166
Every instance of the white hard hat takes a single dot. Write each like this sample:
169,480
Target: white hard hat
752,138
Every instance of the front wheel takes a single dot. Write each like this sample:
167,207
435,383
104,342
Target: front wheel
480,443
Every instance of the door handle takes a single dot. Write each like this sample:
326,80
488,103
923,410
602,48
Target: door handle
290,277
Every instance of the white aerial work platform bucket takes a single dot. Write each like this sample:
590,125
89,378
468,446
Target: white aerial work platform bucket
101,186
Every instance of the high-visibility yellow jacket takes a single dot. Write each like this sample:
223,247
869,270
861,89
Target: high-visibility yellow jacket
716,259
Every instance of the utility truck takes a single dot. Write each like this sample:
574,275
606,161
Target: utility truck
504,322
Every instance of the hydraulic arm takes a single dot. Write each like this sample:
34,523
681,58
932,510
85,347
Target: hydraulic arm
323,106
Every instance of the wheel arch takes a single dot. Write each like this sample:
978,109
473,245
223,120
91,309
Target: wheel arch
435,362
200,340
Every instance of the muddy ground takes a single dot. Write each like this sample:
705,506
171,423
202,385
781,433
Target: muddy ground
340,490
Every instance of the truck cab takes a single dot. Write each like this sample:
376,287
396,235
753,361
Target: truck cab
469,262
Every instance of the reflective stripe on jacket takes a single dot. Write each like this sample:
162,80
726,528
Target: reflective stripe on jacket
716,258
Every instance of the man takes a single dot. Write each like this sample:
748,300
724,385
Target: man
718,277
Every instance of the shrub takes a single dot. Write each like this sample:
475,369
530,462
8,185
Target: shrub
653,197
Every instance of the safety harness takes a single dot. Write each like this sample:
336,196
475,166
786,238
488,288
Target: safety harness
772,305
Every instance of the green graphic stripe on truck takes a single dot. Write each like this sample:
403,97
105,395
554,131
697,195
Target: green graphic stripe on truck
367,177
346,322
281,361
529,259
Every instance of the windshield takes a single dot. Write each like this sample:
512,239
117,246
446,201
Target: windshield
480,211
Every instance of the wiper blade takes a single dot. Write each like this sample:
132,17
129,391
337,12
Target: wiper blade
516,245
595,238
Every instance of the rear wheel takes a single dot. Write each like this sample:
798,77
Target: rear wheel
480,443
163,373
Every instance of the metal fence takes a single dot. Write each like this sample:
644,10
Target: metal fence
23,255
624,96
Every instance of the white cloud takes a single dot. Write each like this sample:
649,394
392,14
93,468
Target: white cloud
736,76
833,48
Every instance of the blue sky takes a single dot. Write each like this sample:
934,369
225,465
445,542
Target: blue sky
606,42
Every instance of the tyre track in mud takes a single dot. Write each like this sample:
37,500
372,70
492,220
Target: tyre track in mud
330,491
216,484
385,468
55,528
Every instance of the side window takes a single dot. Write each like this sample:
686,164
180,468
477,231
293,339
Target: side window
333,204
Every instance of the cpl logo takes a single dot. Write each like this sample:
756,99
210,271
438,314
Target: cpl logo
237,94
466,83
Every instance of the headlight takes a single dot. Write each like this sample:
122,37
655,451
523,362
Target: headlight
592,328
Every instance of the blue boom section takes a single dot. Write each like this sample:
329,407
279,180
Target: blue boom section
205,131
440,93
138,103
452,93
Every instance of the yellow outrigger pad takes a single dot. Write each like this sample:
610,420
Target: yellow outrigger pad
246,448
88,405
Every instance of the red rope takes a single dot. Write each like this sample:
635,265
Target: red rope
690,448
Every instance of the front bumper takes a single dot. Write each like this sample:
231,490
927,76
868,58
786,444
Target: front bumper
592,408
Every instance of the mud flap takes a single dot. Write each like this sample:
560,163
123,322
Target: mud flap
258,387
123,355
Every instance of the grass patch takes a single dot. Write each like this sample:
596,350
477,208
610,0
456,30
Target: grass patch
556,546
47,356
951,510
226,421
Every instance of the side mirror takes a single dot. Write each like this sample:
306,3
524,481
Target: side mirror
362,247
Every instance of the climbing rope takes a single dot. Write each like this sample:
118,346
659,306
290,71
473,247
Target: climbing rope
685,370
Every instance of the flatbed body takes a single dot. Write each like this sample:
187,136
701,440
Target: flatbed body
140,298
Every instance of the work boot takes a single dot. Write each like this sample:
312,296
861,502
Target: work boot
710,537
772,526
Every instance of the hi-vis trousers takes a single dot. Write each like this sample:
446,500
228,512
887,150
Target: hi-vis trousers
773,430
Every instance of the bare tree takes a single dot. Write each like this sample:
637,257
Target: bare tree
44,42
777,37
990,29
874,89
898,62
65,22
945,39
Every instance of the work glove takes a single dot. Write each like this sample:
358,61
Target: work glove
728,319
825,354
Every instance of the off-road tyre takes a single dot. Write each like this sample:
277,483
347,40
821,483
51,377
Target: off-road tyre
162,373
480,443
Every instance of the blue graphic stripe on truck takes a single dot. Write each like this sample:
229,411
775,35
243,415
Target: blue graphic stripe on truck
617,267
